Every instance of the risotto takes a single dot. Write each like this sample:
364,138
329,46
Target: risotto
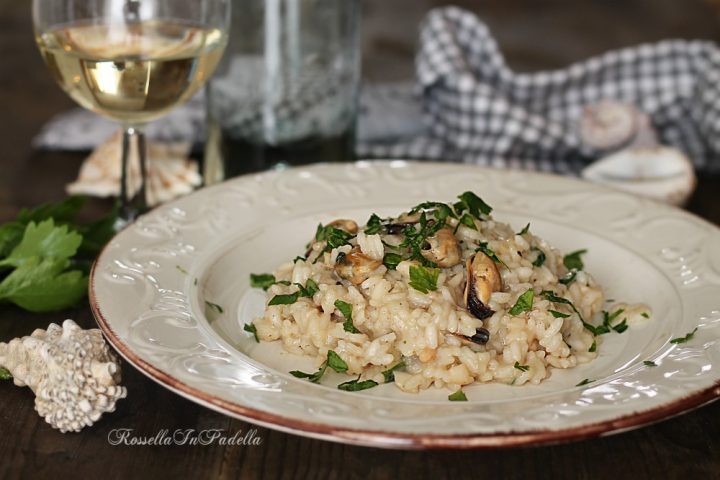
442,295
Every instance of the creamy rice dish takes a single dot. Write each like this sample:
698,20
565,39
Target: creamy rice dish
442,295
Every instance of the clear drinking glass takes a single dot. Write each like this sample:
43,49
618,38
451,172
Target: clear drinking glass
286,91
131,61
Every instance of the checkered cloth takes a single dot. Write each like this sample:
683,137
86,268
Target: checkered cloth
478,111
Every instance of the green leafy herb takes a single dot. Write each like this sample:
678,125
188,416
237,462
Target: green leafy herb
310,288
288,299
195,280
524,303
540,259
181,269
356,385
333,361
389,374
468,221
649,363
374,225
557,314
250,327
262,280
299,259
5,374
214,306
336,363
392,260
621,327
458,396
487,251
440,211
593,347
645,314
574,260
684,339
346,310
584,382
522,368
569,278
474,204
423,279
44,240
524,230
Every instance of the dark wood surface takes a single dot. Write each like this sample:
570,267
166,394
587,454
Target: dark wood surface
684,447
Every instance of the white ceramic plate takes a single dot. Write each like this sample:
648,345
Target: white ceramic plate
149,288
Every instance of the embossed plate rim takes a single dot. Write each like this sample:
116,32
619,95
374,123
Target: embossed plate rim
389,439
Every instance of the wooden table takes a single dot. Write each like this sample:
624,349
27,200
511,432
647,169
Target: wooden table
685,447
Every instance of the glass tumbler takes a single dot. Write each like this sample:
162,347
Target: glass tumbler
286,92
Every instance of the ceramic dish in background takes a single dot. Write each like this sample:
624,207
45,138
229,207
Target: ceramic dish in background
153,286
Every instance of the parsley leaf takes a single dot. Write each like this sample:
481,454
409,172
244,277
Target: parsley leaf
262,280
392,260
540,259
389,374
373,226
487,251
458,396
557,314
423,279
621,327
584,382
44,240
181,269
288,299
574,260
346,310
250,327
474,204
356,385
522,368
686,338
524,303
333,361
336,363
5,374
310,288
569,278
593,347
645,314
299,259
468,221
524,230
649,363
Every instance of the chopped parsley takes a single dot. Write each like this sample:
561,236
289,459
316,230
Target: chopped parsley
356,385
569,278
334,237
524,230
557,314
288,299
310,289
540,259
524,303
574,260
621,327
250,327
487,251
346,310
5,374
262,280
333,361
373,225
645,314
522,368
181,269
584,382
686,338
214,306
458,396
389,374
474,205
593,347
466,220
299,259
423,279
392,260
441,211
649,363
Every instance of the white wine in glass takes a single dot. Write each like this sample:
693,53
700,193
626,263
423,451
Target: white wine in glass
131,61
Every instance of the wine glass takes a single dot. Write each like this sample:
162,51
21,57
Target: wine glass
131,61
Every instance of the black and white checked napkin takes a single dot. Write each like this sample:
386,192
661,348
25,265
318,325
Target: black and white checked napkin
476,110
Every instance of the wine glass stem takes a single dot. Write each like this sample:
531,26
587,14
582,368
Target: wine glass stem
133,201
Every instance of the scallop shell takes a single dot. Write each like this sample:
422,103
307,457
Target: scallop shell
170,173
661,173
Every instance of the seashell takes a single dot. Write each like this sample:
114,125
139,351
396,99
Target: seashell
661,173
170,173
72,372
610,125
